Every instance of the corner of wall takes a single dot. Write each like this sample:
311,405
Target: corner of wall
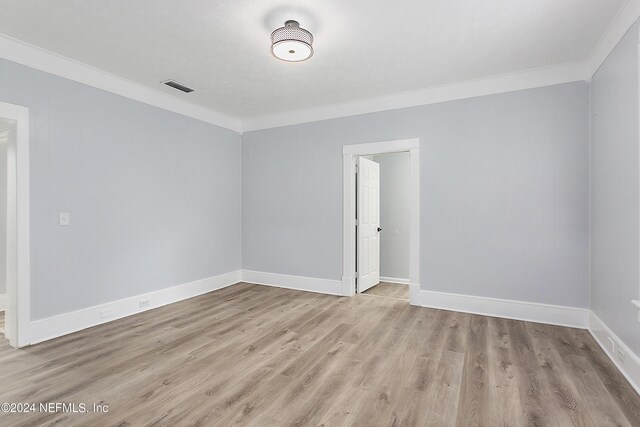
589,193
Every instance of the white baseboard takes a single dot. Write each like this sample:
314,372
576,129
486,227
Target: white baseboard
56,326
3,302
611,343
628,364
310,284
62,324
394,280
520,310
415,296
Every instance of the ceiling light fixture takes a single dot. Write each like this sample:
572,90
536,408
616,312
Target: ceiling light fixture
292,43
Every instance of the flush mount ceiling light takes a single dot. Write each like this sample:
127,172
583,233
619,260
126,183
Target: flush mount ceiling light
292,43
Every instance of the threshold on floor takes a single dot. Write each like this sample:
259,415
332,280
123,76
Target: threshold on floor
389,290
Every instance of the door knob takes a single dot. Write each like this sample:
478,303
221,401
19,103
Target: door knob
379,229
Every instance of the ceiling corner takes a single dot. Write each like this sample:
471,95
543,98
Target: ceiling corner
625,18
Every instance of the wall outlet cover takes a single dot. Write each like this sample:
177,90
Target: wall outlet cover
64,219
621,356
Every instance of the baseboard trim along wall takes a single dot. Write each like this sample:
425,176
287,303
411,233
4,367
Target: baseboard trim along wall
63,324
622,356
310,284
573,317
394,280
3,302
625,360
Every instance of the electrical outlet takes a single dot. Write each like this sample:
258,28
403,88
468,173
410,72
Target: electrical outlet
64,219
143,303
106,313
622,357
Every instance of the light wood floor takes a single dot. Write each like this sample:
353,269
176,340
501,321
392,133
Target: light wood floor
261,356
389,290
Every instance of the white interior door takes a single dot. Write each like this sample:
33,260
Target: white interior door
368,224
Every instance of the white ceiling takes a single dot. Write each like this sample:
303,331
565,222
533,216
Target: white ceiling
363,48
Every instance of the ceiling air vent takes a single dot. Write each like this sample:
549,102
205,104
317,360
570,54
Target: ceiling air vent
176,85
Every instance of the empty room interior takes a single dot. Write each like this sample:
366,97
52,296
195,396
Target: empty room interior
322,213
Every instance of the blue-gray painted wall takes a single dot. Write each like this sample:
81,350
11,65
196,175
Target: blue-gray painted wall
504,194
615,181
154,196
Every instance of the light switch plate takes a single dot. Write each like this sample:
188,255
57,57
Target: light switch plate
65,218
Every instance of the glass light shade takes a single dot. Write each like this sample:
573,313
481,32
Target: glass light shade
292,50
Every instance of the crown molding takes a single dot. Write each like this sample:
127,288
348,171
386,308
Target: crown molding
52,63
625,18
41,59
469,89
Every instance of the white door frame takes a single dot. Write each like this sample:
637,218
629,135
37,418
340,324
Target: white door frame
349,155
18,268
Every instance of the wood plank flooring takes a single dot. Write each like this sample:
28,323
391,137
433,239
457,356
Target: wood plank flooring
389,290
259,356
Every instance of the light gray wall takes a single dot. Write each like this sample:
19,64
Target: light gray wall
3,218
394,214
615,175
154,196
504,194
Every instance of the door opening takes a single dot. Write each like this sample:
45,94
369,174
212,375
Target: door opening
8,223
14,224
362,225
382,229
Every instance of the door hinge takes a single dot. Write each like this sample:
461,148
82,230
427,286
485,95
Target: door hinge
357,168
356,275
357,222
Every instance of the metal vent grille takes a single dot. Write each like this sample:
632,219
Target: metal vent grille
291,31
178,86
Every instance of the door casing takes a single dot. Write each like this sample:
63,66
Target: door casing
350,153
18,310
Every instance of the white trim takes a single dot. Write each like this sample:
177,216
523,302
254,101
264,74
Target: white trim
521,80
395,280
3,301
635,302
63,324
605,337
414,294
394,146
573,317
414,221
32,56
18,309
350,153
348,231
625,18
300,283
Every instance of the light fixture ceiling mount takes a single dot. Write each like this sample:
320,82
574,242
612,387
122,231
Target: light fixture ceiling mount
292,43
